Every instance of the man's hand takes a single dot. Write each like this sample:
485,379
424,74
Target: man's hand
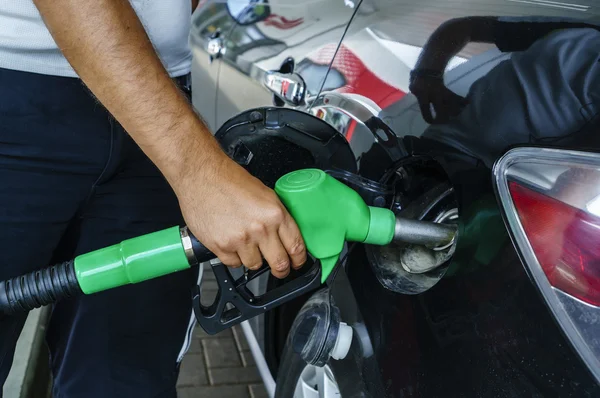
229,211
238,218
431,92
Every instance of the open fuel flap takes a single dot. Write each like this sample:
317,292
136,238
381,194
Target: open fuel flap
269,143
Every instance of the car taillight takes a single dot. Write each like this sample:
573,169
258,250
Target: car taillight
565,241
551,203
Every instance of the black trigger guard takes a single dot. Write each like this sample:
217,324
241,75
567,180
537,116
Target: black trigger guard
217,317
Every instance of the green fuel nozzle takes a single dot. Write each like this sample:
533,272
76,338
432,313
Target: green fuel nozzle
329,213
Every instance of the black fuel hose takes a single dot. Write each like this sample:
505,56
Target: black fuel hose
48,285
38,288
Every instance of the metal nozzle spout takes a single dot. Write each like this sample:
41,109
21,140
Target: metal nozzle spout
426,233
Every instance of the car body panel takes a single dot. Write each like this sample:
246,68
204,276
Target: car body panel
210,17
483,329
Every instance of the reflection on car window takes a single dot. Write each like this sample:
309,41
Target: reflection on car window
547,92
479,77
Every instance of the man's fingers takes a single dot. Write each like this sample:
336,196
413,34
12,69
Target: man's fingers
250,256
292,241
276,256
230,259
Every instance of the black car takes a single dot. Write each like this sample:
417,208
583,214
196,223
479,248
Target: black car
479,113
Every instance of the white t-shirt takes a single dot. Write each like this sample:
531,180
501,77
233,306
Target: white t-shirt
26,44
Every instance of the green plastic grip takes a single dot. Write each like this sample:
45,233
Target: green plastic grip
131,261
329,213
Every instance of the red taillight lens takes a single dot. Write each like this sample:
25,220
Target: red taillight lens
551,204
565,241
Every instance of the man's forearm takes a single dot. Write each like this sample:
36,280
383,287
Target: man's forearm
231,212
106,44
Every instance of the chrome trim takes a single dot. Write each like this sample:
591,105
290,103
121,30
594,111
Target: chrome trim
350,105
186,241
340,109
289,87
215,48
561,305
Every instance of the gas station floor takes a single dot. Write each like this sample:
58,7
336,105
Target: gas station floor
220,365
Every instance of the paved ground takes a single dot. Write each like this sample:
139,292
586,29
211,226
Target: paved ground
219,366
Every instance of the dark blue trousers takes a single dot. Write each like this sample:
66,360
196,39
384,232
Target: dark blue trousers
72,181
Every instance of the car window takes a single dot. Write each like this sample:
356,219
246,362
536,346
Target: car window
485,74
